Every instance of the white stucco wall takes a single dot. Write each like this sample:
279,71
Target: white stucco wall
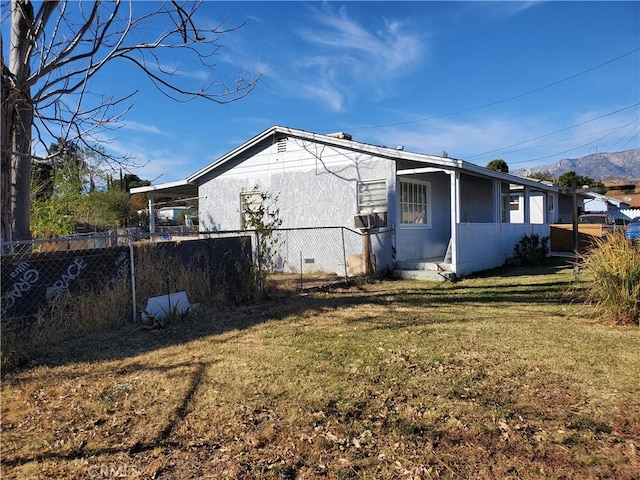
316,186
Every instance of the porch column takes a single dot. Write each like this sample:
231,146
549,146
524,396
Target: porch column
527,205
497,199
152,215
454,179
546,214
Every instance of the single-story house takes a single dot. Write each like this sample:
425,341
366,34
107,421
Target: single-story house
414,206
599,203
173,213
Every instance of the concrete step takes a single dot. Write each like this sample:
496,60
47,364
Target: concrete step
427,275
432,265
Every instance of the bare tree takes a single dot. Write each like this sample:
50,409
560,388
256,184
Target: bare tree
54,53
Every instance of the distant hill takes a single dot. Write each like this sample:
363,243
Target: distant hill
614,167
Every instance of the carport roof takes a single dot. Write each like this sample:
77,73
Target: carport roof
177,189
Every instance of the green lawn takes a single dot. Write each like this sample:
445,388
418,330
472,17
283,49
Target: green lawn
500,376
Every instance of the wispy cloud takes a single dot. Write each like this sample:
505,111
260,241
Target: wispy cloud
141,127
498,11
341,58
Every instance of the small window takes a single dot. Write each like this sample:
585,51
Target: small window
250,203
551,203
372,196
415,203
514,203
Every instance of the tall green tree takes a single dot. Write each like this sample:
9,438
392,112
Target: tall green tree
498,165
567,178
55,48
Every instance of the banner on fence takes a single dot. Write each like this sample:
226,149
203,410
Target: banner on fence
31,282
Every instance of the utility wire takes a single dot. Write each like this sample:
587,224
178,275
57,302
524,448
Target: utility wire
632,132
557,131
564,140
571,77
575,148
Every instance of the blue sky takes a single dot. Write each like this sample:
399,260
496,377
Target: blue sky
529,82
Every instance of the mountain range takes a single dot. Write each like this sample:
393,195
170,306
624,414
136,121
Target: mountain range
608,167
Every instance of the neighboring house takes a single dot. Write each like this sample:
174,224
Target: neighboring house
177,214
422,207
598,203
559,205
173,213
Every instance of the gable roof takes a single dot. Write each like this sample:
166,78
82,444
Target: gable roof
346,142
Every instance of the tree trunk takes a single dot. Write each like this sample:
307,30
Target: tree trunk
6,226
17,112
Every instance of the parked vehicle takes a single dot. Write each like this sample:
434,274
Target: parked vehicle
607,222
632,230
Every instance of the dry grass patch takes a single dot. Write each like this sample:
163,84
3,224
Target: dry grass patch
495,377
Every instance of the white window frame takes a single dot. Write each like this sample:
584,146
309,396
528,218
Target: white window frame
412,205
255,199
372,196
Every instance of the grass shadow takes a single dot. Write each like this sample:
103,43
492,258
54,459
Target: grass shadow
133,340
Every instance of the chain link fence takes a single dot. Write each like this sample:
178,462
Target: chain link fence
90,277
312,257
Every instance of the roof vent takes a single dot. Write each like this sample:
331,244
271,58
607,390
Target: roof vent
341,135
400,147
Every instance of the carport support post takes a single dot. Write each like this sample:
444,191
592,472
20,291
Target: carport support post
132,264
152,215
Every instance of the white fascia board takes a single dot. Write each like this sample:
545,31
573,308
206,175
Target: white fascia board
415,171
160,186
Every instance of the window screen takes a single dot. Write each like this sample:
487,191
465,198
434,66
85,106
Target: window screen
372,196
415,202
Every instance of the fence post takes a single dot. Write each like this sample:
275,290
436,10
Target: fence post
344,256
133,279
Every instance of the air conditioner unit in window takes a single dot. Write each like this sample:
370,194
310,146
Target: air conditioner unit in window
366,221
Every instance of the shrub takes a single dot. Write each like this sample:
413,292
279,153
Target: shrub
532,249
613,266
